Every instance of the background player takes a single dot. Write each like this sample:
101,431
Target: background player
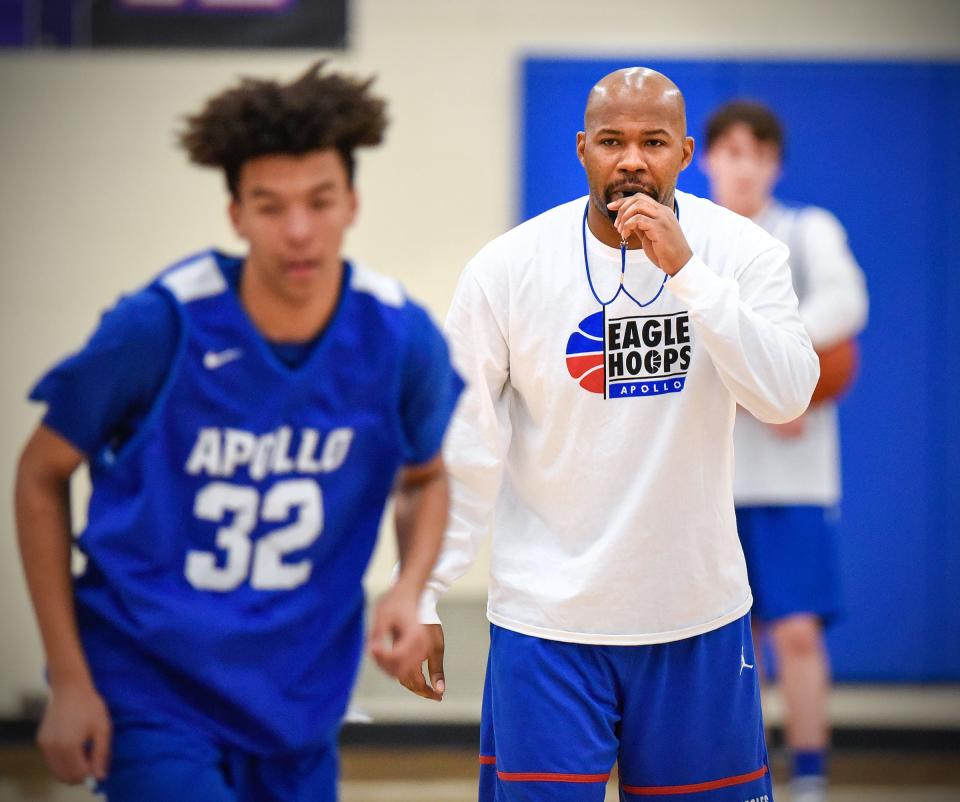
244,420
597,428
787,477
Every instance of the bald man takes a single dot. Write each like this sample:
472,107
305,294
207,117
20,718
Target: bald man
606,344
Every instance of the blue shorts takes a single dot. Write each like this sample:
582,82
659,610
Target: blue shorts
792,561
682,719
151,763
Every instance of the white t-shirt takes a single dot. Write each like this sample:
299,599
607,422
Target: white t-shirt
769,469
611,494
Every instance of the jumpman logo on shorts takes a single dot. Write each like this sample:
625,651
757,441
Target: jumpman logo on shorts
743,662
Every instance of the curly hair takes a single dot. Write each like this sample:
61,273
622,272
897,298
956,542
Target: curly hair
259,118
761,120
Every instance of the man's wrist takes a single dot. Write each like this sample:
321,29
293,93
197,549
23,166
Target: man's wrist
69,677
406,589
682,264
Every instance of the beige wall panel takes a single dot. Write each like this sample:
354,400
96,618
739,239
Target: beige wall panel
95,198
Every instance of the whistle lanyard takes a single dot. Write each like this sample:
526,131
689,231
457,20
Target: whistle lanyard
623,271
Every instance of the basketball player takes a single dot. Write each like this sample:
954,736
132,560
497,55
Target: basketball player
244,420
787,477
606,344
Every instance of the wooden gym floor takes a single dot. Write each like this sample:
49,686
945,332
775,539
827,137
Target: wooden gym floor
385,774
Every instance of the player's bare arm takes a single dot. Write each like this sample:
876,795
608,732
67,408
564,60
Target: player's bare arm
75,732
656,228
399,642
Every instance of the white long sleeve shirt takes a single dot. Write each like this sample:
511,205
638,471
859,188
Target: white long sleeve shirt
600,437
769,469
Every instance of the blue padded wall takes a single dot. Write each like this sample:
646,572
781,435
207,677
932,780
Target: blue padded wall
878,144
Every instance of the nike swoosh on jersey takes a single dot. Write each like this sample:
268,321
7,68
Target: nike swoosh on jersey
217,359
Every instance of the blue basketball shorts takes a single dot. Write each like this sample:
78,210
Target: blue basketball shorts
682,720
792,561
151,763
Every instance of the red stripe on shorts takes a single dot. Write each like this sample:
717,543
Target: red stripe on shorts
551,777
655,790
488,760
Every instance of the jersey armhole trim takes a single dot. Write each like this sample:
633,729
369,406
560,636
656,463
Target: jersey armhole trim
400,385
106,458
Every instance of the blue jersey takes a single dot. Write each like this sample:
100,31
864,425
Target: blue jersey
228,536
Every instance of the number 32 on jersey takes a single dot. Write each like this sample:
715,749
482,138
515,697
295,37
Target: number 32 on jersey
262,561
